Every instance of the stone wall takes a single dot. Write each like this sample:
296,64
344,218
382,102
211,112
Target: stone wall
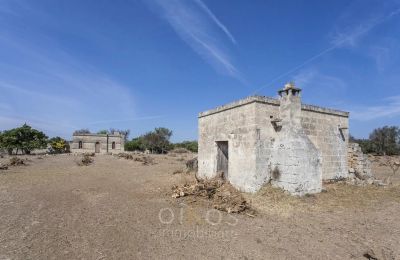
329,133
237,126
89,143
358,162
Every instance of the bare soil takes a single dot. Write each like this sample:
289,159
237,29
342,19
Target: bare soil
51,208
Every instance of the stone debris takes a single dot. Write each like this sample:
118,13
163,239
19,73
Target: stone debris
192,165
358,163
222,195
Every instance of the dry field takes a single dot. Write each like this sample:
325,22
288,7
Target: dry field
115,208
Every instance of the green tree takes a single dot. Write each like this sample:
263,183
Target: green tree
102,132
386,140
157,141
23,138
136,144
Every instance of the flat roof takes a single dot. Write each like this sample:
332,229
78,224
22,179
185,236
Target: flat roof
99,135
270,101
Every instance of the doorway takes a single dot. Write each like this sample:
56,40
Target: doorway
222,157
97,147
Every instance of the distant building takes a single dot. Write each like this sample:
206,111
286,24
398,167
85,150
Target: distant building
98,143
261,140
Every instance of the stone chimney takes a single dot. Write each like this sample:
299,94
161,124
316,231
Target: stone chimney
290,105
295,161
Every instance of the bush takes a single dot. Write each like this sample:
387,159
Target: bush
189,145
58,145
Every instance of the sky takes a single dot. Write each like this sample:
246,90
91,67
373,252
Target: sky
98,64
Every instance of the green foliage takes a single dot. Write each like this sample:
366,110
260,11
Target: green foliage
156,141
386,140
136,144
81,131
189,145
102,132
23,138
382,141
58,145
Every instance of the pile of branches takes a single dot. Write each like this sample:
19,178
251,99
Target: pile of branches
145,160
15,161
222,195
86,159
127,156
3,166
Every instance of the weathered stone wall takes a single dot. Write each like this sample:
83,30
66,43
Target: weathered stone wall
320,125
237,126
89,143
329,133
358,162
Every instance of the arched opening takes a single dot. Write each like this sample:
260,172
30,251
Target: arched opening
80,145
113,145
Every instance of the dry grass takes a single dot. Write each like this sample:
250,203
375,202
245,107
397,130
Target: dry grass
336,197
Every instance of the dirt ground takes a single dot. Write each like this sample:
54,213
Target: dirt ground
115,208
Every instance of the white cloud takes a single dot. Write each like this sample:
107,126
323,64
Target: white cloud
215,19
196,25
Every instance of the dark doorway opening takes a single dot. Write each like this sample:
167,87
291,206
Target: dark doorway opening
97,147
222,157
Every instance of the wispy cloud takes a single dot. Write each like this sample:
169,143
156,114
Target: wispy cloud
52,89
342,36
353,25
215,19
366,113
200,29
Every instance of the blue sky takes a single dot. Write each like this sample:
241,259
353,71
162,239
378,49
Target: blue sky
136,65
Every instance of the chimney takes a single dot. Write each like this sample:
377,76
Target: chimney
290,105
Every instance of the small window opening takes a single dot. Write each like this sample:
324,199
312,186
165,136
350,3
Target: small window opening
80,145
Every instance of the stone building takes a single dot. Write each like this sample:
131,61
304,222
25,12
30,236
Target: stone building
258,140
98,143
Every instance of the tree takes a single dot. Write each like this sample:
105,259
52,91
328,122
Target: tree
386,140
157,141
23,138
125,133
102,132
58,144
136,144
81,131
